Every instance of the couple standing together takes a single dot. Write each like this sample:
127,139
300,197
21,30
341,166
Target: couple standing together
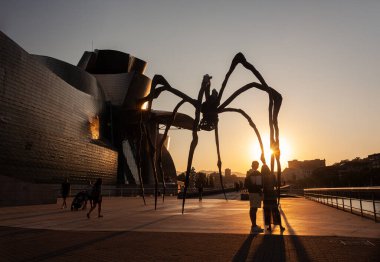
258,184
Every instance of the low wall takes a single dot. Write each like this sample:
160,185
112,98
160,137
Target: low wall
14,192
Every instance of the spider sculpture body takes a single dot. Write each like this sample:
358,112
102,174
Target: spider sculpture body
210,106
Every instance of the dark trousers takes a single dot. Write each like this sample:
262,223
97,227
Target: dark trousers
272,214
252,215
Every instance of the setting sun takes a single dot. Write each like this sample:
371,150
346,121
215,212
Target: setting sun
284,147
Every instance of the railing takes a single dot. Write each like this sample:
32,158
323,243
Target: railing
193,192
363,201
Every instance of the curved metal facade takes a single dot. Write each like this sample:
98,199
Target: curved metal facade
62,121
73,75
45,123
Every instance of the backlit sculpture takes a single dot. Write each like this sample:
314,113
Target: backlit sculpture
210,106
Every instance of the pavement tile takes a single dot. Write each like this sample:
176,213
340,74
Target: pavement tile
211,230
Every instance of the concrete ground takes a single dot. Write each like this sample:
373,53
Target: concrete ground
211,230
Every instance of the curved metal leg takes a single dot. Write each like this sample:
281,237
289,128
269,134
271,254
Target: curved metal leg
159,158
278,178
153,163
244,114
275,98
139,164
193,145
240,59
160,170
194,142
272,163
219,161
159,80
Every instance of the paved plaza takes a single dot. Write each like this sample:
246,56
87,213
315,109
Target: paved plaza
211,230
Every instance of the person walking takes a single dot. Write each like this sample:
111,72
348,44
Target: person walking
88,192
271,212
253,182
96,197
65,191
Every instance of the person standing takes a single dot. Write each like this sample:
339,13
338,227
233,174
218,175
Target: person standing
271,212
96,196
253,182
200,192
65,191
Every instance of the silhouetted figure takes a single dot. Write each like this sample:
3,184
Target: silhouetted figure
88,195
200,192
65,191
96,196
209,110
253,182
271,212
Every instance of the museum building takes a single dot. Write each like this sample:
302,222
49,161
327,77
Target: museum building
81,122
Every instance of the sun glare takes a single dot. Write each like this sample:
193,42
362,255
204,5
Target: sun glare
284,147
145,106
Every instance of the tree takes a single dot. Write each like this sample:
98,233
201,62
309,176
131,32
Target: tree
211,181
181,177
192,177
201,180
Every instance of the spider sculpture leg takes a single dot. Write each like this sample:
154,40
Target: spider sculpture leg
219,160
240,59
252,124
139,162
275,101
277,157
274,108
193,145
159,158
153,163
197,104
159,80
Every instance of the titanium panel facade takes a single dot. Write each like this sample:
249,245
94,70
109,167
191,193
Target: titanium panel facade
62,121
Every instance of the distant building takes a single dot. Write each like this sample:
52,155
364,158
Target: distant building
359,171
374,160
346,173
359,164
229,179
301,169
214,176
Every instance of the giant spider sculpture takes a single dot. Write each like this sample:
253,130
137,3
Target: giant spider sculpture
210,106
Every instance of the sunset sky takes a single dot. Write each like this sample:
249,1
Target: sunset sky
322,56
